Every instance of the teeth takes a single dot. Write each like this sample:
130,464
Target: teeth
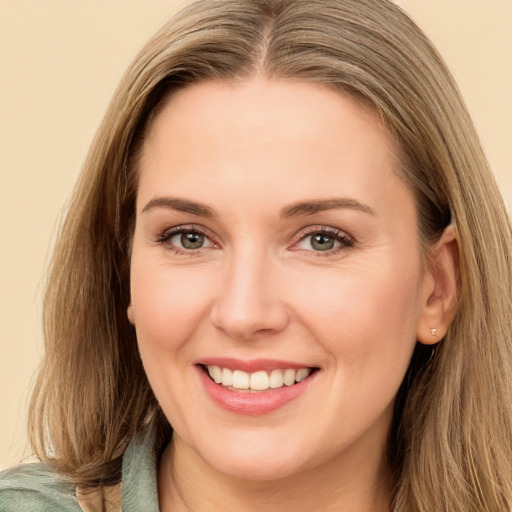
301,374
276,379
240,380
227,377
258,381
289,377
216,374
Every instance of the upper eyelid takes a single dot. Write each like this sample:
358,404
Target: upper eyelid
318,228
186,227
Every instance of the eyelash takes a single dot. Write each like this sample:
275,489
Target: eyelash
165,237
345,241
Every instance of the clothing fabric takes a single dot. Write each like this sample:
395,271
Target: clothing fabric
38,488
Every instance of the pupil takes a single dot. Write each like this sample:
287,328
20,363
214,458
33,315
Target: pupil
322,242
192,240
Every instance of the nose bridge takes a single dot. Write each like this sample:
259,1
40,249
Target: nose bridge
248,304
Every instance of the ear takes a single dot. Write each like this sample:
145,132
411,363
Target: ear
130,314
440,289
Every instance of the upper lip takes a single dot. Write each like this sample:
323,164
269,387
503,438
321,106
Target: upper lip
252,365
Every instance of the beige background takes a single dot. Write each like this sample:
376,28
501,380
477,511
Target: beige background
60,61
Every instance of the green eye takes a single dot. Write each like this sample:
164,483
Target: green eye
321,242
324,240
191,240
185,240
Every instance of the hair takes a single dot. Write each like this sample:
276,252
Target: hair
450,445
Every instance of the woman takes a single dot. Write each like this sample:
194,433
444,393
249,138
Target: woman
286,244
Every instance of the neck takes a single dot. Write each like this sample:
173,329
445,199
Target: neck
188,484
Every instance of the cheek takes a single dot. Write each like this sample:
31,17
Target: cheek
168,304
364,313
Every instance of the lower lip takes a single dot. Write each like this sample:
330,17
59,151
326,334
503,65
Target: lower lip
252,404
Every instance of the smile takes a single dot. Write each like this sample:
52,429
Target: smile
257,381
254,387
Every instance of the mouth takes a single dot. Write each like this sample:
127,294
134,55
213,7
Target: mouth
255,387
258,381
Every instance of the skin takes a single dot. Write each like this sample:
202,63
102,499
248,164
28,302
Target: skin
259,289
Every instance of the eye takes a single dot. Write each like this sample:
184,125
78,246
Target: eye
322,239
182,239
322,242
189,240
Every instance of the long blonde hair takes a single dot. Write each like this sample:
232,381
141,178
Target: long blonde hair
451,442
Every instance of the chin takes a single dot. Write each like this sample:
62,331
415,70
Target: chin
260,469
255,460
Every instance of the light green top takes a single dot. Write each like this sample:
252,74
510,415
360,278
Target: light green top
37,488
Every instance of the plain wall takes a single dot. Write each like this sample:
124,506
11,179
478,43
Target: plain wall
60,61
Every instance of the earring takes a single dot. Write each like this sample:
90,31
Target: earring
433,332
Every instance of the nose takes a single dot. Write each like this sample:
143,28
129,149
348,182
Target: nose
249,305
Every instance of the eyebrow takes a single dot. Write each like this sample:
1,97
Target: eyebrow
302,208
321,205
181,205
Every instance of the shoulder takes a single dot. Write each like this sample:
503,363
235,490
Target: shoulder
36,487
39,488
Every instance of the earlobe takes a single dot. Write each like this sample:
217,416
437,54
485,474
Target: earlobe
129,313
440,289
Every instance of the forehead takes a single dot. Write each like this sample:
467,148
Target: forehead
303,139
290,105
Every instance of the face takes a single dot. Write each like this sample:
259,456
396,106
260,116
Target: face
276,277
